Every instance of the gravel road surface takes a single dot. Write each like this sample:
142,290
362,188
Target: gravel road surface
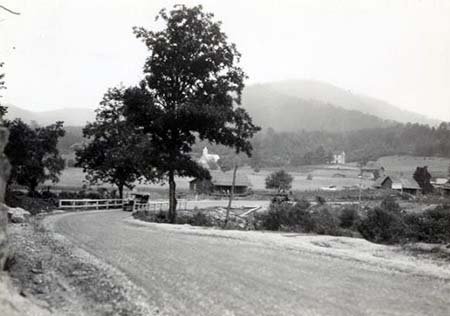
188,273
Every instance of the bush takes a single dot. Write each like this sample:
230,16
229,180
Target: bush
389,204
348,218
382,226
320,200
300,218
324,222
432,226
200,219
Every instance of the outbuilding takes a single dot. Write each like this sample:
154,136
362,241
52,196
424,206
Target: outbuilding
221,183
403,184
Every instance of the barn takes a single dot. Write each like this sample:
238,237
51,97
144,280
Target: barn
221,183
403,184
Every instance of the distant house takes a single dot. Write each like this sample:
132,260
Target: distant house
338,158
221,183
403,184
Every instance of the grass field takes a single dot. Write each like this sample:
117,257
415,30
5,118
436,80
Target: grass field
72,178
437,166
322,175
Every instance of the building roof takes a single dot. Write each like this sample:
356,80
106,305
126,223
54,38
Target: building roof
402,182
220,178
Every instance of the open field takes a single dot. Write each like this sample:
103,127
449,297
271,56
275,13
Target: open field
437,166
322,175
73,178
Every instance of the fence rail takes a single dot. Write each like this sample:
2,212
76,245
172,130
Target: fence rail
157,206
97,204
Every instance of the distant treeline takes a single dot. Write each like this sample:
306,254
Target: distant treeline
275,149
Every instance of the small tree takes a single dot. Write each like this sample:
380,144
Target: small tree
33,153
423,178
280,180
114,152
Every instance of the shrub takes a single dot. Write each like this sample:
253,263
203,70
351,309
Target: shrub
382,226
348,218
320,200
200,219
432,226
389,204
324,222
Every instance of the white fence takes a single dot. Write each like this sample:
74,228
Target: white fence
91,204
157,206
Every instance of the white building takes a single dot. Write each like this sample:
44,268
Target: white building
338,158
206,158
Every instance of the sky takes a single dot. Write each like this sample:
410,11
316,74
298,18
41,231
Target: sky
66,53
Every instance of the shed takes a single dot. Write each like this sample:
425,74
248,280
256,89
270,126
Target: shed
221,183
404,184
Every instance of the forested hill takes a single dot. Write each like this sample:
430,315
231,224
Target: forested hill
328,93
282,112
273,148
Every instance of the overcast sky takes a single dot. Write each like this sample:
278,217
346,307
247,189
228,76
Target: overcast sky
66,53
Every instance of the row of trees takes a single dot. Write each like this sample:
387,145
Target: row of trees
191,91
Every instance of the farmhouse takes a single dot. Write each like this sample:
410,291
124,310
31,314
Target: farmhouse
221,183
403,184
338,158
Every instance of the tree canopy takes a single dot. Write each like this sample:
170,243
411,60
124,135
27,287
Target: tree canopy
33,154
280,180
192,89
423,178
113,153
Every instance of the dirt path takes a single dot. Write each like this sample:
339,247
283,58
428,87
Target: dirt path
188,272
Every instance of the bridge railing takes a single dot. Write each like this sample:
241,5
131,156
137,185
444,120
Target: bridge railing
157,206
91,204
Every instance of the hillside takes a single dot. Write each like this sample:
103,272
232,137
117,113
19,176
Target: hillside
70,116
285,106
327,93
282,112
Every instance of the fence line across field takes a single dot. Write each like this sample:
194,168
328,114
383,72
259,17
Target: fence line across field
97,204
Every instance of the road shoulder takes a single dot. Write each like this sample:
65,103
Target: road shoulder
69,280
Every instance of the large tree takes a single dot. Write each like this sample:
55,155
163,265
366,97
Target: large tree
33,153
113,152
192,89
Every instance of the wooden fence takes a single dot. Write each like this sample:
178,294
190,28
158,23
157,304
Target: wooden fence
157,206
91,204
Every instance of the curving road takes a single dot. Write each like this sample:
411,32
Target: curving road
193,274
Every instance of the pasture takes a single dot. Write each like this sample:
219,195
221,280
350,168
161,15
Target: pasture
320,176
437,166
306,178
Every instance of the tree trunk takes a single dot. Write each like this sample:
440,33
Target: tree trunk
32,185
172,198
227,216
120,187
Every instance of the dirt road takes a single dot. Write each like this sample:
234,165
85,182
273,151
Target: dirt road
189,273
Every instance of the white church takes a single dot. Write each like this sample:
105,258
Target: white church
207,158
